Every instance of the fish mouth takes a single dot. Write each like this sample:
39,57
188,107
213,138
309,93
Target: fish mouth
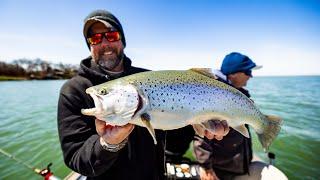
97,99
91,90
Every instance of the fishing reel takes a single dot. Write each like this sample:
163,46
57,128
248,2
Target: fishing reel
46,173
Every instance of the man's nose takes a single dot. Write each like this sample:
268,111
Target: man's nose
105,42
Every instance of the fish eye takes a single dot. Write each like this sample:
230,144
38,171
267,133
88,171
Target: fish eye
103,91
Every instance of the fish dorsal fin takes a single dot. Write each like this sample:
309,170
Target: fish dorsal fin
146,121
243,130
205,71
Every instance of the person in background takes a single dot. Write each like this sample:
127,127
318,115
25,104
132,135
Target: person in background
231,156
89,146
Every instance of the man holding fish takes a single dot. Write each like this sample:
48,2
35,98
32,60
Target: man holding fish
90,146
98,135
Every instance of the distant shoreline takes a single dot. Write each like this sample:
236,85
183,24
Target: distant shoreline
14,78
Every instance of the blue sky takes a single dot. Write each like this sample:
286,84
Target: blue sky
283,36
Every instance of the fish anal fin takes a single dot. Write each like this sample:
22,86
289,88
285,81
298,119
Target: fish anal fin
274,118
145,117
243,130
205,71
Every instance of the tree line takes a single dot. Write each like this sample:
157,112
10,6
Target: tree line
37,69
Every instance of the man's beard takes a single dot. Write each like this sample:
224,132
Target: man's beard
109,62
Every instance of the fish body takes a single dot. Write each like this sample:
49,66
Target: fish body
173,99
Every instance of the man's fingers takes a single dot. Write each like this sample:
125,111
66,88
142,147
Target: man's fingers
219,129
226,127
219,138
100,126
208,134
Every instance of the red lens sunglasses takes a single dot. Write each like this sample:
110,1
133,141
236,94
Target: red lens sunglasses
110,36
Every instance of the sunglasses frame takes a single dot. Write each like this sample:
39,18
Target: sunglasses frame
248,73
104,35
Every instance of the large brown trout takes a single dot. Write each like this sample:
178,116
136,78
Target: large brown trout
173,99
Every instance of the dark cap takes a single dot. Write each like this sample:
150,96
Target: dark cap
102,16
236,62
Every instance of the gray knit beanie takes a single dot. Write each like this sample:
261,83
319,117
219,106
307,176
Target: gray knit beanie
102,15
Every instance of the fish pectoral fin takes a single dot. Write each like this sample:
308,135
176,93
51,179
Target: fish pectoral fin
145,117
89,112
199,129
243,130
205,71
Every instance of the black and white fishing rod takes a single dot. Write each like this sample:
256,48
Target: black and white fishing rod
45,173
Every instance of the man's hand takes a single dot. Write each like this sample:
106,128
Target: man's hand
207,174
113,134
219,129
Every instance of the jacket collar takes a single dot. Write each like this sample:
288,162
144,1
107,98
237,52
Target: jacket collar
92,71
221,76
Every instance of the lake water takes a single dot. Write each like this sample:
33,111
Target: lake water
28,126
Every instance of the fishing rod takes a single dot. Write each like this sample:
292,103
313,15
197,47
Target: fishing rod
46,172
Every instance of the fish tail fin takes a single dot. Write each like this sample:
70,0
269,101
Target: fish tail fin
270,131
